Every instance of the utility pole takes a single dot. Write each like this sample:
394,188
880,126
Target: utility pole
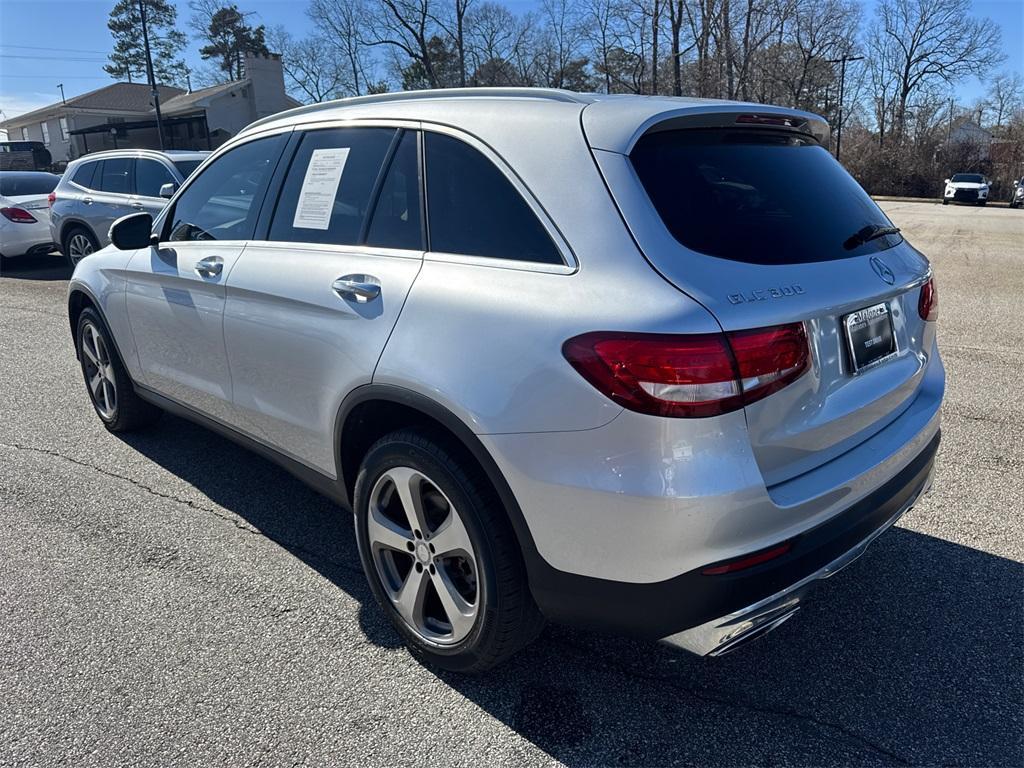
62,99
149,74
842,84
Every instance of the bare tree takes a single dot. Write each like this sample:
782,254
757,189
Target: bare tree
344,29
1005,97
928,41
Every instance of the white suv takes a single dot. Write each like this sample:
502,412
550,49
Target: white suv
966,188
593,359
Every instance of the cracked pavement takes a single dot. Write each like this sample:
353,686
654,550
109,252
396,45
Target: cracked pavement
168,598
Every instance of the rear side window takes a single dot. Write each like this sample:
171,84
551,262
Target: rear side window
327,192
115,176
396,217
16,184
223,202
84,175
150,175
763,197
473,209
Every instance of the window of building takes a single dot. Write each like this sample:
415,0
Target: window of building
46,133
64,132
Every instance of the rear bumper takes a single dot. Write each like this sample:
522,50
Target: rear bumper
726,633
721,610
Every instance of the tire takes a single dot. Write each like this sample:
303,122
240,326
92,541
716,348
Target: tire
496,616
78,243
945,201
106,380
982,202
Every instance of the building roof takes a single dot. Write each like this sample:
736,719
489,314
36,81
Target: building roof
195,99
116,97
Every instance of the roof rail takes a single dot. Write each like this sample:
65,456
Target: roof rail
550,94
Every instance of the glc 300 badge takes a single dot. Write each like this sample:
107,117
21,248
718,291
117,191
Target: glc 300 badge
763,294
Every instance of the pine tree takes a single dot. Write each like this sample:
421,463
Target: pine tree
128,59
230,38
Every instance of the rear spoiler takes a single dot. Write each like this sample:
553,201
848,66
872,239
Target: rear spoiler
711,114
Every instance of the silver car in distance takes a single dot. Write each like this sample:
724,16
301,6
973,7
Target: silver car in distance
601,360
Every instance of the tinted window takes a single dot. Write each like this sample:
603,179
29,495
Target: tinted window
756,196
113,176
14,184
83,176
150,175
396,217
969,178
473,209
186,167
223,202
326,193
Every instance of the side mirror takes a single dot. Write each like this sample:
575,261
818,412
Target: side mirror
132,231
947,181
167,190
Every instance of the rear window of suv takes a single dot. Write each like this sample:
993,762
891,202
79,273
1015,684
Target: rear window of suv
763,197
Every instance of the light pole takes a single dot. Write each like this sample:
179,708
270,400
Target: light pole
842,84
149,74
62,99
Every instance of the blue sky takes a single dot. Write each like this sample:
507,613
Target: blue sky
45,42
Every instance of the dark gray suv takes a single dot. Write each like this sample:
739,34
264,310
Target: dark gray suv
99,188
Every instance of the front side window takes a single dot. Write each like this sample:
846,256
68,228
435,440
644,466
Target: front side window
327,192
150,175
472,209
396,216
762,197
115,176
186,167
223,202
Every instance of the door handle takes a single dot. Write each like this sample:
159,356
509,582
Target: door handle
211,266
87,200
362,288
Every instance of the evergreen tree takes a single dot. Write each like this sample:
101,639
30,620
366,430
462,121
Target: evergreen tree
230,38
128,59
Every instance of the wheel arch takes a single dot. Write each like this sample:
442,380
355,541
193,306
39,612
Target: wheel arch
373,410
79,299
70,224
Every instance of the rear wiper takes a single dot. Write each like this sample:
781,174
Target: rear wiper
867,234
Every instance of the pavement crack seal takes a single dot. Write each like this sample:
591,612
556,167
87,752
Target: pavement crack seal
290,546
605,664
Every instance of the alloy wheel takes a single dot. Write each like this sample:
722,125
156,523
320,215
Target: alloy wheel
99,372
79,246
423,555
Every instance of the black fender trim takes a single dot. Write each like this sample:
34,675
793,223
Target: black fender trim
537,568
98,308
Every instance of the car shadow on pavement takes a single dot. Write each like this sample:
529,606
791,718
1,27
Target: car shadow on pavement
51,266
913,655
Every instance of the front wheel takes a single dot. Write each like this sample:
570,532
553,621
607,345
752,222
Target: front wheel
945,201
440,554
109,386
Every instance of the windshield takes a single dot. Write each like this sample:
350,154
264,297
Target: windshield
970,178
17,184
185,167
764,197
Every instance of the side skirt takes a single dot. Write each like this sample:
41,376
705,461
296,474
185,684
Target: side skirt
319,482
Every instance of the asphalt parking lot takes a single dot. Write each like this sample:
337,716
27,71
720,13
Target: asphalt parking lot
168,598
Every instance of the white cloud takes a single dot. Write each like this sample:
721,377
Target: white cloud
12,106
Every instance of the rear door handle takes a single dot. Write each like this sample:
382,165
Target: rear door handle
362,288
211,266
87,200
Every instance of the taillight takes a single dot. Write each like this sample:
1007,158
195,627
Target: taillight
17,215
928,301
789,122
51,198
690,376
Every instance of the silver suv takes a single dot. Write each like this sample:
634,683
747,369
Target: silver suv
599,360
99,188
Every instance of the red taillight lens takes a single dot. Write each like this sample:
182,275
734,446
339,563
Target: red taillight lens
928,302
51,198
690,376
17,215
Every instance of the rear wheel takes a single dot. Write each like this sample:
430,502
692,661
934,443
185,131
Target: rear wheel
440,554
78,243
109,386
